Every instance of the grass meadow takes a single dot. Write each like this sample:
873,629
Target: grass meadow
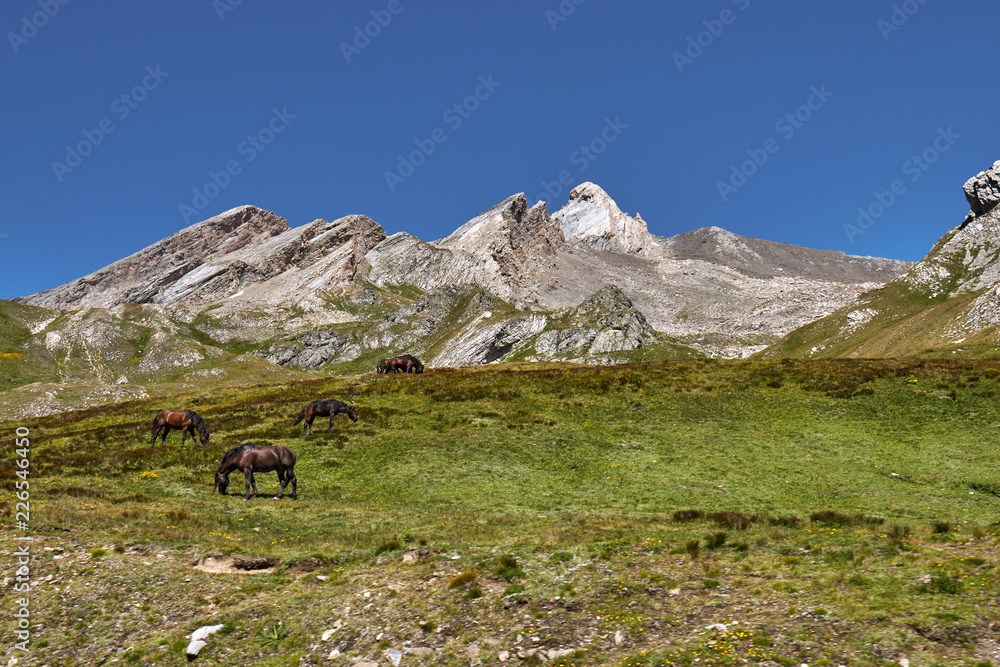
833,512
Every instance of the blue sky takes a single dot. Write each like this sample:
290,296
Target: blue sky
125,121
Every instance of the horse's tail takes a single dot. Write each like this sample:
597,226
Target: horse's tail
302,415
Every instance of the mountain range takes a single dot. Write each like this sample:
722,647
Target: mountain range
245,295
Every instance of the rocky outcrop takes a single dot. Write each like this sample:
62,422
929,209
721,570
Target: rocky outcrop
487,339
983,190
606,322
312,350
593,218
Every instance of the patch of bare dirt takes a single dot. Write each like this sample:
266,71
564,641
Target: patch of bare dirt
218,563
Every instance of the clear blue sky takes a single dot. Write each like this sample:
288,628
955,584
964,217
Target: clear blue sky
161,95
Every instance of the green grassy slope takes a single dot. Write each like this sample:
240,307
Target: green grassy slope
923,313
641,503
22,361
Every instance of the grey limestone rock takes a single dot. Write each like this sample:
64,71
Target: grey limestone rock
983,190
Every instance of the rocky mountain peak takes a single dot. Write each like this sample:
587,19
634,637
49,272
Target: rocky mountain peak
592,217
510,225
983,190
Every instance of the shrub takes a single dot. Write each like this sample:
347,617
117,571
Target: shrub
837,519
940,527
513,589
786,521
942,583
735,520
508,568
688,515
461,580
715,540
391,545
897,532
272,634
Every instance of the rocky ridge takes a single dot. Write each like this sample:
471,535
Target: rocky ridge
588,283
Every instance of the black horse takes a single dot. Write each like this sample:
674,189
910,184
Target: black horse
251,458
185,420
322,408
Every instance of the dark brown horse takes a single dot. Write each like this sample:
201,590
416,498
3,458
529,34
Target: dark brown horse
250,458
322,408
185,420
406,363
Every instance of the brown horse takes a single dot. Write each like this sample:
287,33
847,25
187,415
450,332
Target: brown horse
322,408
406,363
250,458
185,420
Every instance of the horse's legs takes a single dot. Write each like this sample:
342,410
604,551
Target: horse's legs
184,433
248,478
282,481
309,423
163,438
332,415
290,475
156,432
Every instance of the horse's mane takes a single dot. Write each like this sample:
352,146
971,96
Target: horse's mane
196,419
233,451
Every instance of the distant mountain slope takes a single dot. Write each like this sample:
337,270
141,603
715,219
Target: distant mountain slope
757,258
946,304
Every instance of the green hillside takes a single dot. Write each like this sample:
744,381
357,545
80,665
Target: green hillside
944,306
822,512
22,361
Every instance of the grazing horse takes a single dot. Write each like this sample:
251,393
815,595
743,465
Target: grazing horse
250,458
405,363
409,364
322,408
185,420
